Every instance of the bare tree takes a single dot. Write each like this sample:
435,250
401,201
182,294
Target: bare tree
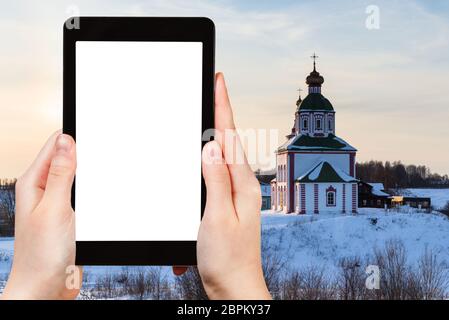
105,286
429,281
273,265
351,280
392,262
310,283
8,205
291,287
138,284
316,285
190,286
158,286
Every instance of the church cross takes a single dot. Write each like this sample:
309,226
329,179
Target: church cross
314,57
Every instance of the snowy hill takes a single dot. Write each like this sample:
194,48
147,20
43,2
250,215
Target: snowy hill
321,240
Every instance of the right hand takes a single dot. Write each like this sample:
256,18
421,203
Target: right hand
229,246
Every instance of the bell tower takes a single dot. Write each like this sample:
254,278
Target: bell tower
315,115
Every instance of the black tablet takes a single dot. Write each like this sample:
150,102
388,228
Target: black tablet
138,94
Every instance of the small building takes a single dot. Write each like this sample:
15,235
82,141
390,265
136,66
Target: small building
373,195
266,195
421,203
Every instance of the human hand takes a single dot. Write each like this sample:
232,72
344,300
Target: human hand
229,246
44,243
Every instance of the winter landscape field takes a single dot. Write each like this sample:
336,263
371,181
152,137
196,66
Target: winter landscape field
319,242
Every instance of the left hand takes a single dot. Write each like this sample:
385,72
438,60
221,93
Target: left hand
44,246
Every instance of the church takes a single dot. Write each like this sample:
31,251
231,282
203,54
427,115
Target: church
315,169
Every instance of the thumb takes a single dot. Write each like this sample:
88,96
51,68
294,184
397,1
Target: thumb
217,179
62,171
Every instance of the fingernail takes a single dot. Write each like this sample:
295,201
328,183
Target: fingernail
212,153
63,143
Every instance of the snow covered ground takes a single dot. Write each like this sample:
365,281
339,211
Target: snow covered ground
439,196
321,240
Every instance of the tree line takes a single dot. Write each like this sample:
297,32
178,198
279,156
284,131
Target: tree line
398,175
7,207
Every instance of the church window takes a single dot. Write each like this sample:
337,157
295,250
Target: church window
330,198
318,124
330,124
305,124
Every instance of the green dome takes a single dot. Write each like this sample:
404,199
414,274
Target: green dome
315,102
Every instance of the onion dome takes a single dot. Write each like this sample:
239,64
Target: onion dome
314,79
298,102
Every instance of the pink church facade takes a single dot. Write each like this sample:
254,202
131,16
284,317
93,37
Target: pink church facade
315,169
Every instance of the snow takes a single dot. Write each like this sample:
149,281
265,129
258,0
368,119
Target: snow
439,197
346,177
377,189
6,253
315,172
321,240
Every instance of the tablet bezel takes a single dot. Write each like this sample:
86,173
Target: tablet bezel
138,29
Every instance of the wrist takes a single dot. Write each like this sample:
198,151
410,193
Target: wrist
244,287
23,287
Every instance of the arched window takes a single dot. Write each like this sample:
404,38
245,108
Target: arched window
331,199
305,124
318,124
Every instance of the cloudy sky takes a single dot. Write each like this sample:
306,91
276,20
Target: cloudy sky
389,86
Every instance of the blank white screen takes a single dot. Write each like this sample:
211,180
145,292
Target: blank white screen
138,131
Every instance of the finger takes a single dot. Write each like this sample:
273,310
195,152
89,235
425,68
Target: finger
36,174
31,184
239,169
179,271
61,172
224,118
216,178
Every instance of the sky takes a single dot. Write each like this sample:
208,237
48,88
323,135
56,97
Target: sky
389,86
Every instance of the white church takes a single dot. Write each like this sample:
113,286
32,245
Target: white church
315,169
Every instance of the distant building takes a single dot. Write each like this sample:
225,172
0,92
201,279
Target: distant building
373,195
315,169
421,203
266,196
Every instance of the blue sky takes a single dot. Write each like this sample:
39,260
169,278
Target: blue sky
388,86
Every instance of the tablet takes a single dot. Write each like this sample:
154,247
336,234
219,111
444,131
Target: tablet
138,94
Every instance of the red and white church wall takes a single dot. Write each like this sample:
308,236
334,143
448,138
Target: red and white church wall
325,197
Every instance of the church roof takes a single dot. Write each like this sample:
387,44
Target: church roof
305,142
315,102
325,172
